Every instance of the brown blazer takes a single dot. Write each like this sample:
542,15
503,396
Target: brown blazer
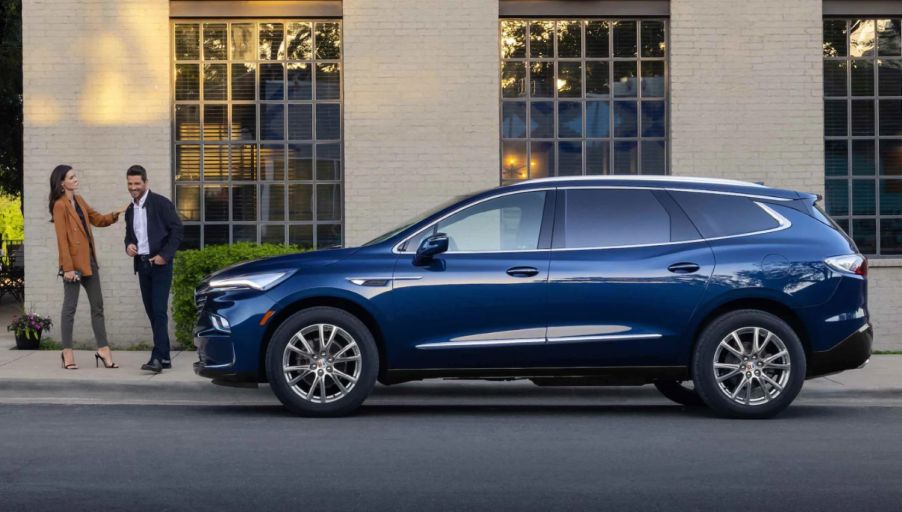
72,241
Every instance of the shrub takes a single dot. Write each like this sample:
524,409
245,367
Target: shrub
191,266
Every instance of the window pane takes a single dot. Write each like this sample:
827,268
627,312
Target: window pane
612,218
653,39
328,202
570,155
863,158
187,163
216,235
863,117
598,119
328,162
272,203
626,158
835,78
272,83
244,203
244,81
300,83
215,80
891,236
653,119
513,120
570,119
244,122
215,41
835,38
272,121
300,202
513,80
624,38
328,80
541,160
300,122
327,121
191,238
890,118
864,232
187,122
187,82
890,197
513,161
862,77
597,80
540,39
889,76
721,215
835,118
864,197
216,203
653,79
328,235
272,234
889,37
625,119
513,39
187,200
541,123
569,39
328,41
272,162
300,161
597,44
244,162
836,157
216,123
272,41
541,80
625,79
244,233
569,82
216,163
187,42
301,235
506,223
891,157
300,41
837,197
861,38
654,157
243,41
598,159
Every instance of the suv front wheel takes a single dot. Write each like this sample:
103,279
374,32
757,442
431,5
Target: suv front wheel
748,364
322,362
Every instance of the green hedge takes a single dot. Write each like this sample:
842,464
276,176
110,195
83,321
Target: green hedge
192,266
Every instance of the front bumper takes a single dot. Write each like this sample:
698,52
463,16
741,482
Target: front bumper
852,352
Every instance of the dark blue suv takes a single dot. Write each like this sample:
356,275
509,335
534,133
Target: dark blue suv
718,292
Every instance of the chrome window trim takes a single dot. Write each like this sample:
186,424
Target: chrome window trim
784,223
480,343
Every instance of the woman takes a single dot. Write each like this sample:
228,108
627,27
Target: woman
72,218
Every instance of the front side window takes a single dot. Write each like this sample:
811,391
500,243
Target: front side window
257,131
583,97
598,218
863,130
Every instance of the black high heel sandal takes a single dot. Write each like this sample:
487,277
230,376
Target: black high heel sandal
64,366
99,359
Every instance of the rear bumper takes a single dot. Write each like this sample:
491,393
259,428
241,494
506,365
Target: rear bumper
852,352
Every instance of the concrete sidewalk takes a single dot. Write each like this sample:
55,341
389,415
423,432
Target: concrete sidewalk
36,376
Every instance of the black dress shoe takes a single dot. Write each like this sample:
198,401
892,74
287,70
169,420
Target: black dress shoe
153,366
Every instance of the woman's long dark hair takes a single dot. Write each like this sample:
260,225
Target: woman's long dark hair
56,184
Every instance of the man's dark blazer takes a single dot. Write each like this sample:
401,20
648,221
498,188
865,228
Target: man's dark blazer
164,227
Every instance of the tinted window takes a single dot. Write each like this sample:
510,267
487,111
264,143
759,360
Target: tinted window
609,218
506,223
721,215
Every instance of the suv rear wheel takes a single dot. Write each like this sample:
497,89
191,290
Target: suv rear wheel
748,364
322,362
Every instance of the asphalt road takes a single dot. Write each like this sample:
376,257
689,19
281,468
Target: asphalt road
464,457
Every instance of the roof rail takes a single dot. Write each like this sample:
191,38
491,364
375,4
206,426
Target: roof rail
675,179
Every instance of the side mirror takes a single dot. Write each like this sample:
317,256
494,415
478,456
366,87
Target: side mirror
429,247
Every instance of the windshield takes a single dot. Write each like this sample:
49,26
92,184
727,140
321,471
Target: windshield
418,218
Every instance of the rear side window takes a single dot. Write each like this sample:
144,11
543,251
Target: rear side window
611,218
717,215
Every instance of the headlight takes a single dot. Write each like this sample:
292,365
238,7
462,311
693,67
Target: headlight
261,281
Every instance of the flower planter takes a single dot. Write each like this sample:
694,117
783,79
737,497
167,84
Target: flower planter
23,343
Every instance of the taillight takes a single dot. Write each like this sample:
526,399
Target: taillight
850,264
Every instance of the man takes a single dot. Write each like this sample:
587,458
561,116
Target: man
153,232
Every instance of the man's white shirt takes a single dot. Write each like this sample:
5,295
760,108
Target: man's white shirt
140,221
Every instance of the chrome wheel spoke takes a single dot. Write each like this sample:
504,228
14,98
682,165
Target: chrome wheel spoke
339,384
331,339
739,387
322,337
764,343
297,379
778,355
763,386
729,375
300,361
305,343
312,389
345,359
322,389
730,348
296,350
351,345
344,375
771,381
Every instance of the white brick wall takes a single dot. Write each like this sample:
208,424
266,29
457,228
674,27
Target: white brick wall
96,82
420,107
884,304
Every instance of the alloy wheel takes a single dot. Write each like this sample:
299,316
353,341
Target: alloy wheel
752,366
321,363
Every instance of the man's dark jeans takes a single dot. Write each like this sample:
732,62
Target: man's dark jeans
156,281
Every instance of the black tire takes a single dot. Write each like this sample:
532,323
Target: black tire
290,395
718,398
679,392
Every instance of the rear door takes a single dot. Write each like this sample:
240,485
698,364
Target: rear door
627,271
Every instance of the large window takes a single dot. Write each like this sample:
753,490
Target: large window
257,131
583,97
863,130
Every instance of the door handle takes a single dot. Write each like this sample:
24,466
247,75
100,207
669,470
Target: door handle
522,271
683,268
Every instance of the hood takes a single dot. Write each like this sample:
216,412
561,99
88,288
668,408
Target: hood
287,261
